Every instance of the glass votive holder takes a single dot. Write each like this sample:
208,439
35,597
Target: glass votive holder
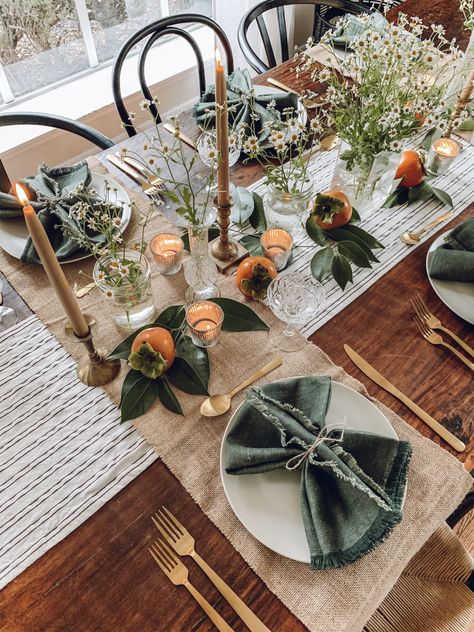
276,245
441,155
167,250
204,321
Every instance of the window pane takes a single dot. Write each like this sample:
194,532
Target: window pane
191,6
40,43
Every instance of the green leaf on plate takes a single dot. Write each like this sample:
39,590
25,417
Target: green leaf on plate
354,253
252,244
196,357
444,197
257,219
167,397
239,317
315,233
368,239
138,394
341,271
212,234
321,263
123,350
183,376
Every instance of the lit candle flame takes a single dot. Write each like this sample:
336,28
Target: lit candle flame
21,195
218,57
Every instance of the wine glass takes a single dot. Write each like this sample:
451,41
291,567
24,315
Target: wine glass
8,316
208,152
294,299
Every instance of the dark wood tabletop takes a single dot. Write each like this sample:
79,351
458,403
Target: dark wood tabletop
102,578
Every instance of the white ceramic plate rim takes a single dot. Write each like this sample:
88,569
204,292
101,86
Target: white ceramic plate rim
98,182
379,424
445,289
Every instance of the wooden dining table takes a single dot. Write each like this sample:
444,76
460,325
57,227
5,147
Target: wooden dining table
101,576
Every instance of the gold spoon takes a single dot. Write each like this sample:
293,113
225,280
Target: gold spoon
413,238
219,404
85,290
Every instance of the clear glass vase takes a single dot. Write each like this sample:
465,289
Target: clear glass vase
125,284
289,210
200,271
366,184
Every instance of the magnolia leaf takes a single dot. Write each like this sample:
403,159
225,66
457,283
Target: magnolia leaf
195,356
354,253
430,137
257,218
422,191
123,350
212,234
468,125
444,197
252,244
341,271
239,317
355,217
368,239
315,233
321,263
183,376
340,234
138,394
399,196
167,397
172,317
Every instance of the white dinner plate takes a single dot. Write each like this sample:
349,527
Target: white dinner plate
14,234
268,504
459,297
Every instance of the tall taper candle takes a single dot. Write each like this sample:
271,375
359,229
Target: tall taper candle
222,131
51,266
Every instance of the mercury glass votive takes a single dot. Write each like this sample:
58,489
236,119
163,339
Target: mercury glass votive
441,155
276,245
167,250
204,321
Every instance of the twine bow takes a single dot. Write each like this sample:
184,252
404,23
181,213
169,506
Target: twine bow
325,435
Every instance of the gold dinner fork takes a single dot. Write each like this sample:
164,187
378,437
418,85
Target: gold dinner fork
183,543
421,309
177,573
435,339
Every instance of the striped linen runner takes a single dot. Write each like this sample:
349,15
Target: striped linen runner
63,451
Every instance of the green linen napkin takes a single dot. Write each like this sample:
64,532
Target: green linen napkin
354,26
351,490
244,105
454,260
52,187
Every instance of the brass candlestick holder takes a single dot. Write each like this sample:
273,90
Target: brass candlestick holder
224,251
93,369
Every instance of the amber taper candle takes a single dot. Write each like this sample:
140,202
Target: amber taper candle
51,266
222,132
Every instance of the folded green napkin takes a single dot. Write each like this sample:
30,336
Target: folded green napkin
351,489
243,102
454,260
52,187
353,26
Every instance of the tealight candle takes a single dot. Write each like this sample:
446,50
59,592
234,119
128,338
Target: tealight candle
167,250
204,321
442,153
276,245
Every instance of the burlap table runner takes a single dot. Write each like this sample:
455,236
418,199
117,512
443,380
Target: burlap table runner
337,600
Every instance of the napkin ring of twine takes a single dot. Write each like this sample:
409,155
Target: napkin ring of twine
332,433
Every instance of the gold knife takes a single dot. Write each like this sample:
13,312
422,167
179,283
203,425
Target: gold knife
379,379
185,139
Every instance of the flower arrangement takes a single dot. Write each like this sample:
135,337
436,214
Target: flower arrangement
467,9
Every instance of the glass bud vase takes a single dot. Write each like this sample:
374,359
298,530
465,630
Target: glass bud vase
125,283
200,271
366,184
289,210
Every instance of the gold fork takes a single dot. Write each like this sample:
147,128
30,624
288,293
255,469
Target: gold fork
177,573
433,322
183,543
435,339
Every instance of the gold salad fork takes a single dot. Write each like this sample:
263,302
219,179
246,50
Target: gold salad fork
435,339
177,573
424,314
183,543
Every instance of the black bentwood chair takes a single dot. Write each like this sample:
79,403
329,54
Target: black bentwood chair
49,120
154,31
324,12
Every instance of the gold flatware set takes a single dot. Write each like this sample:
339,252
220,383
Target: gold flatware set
177,542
